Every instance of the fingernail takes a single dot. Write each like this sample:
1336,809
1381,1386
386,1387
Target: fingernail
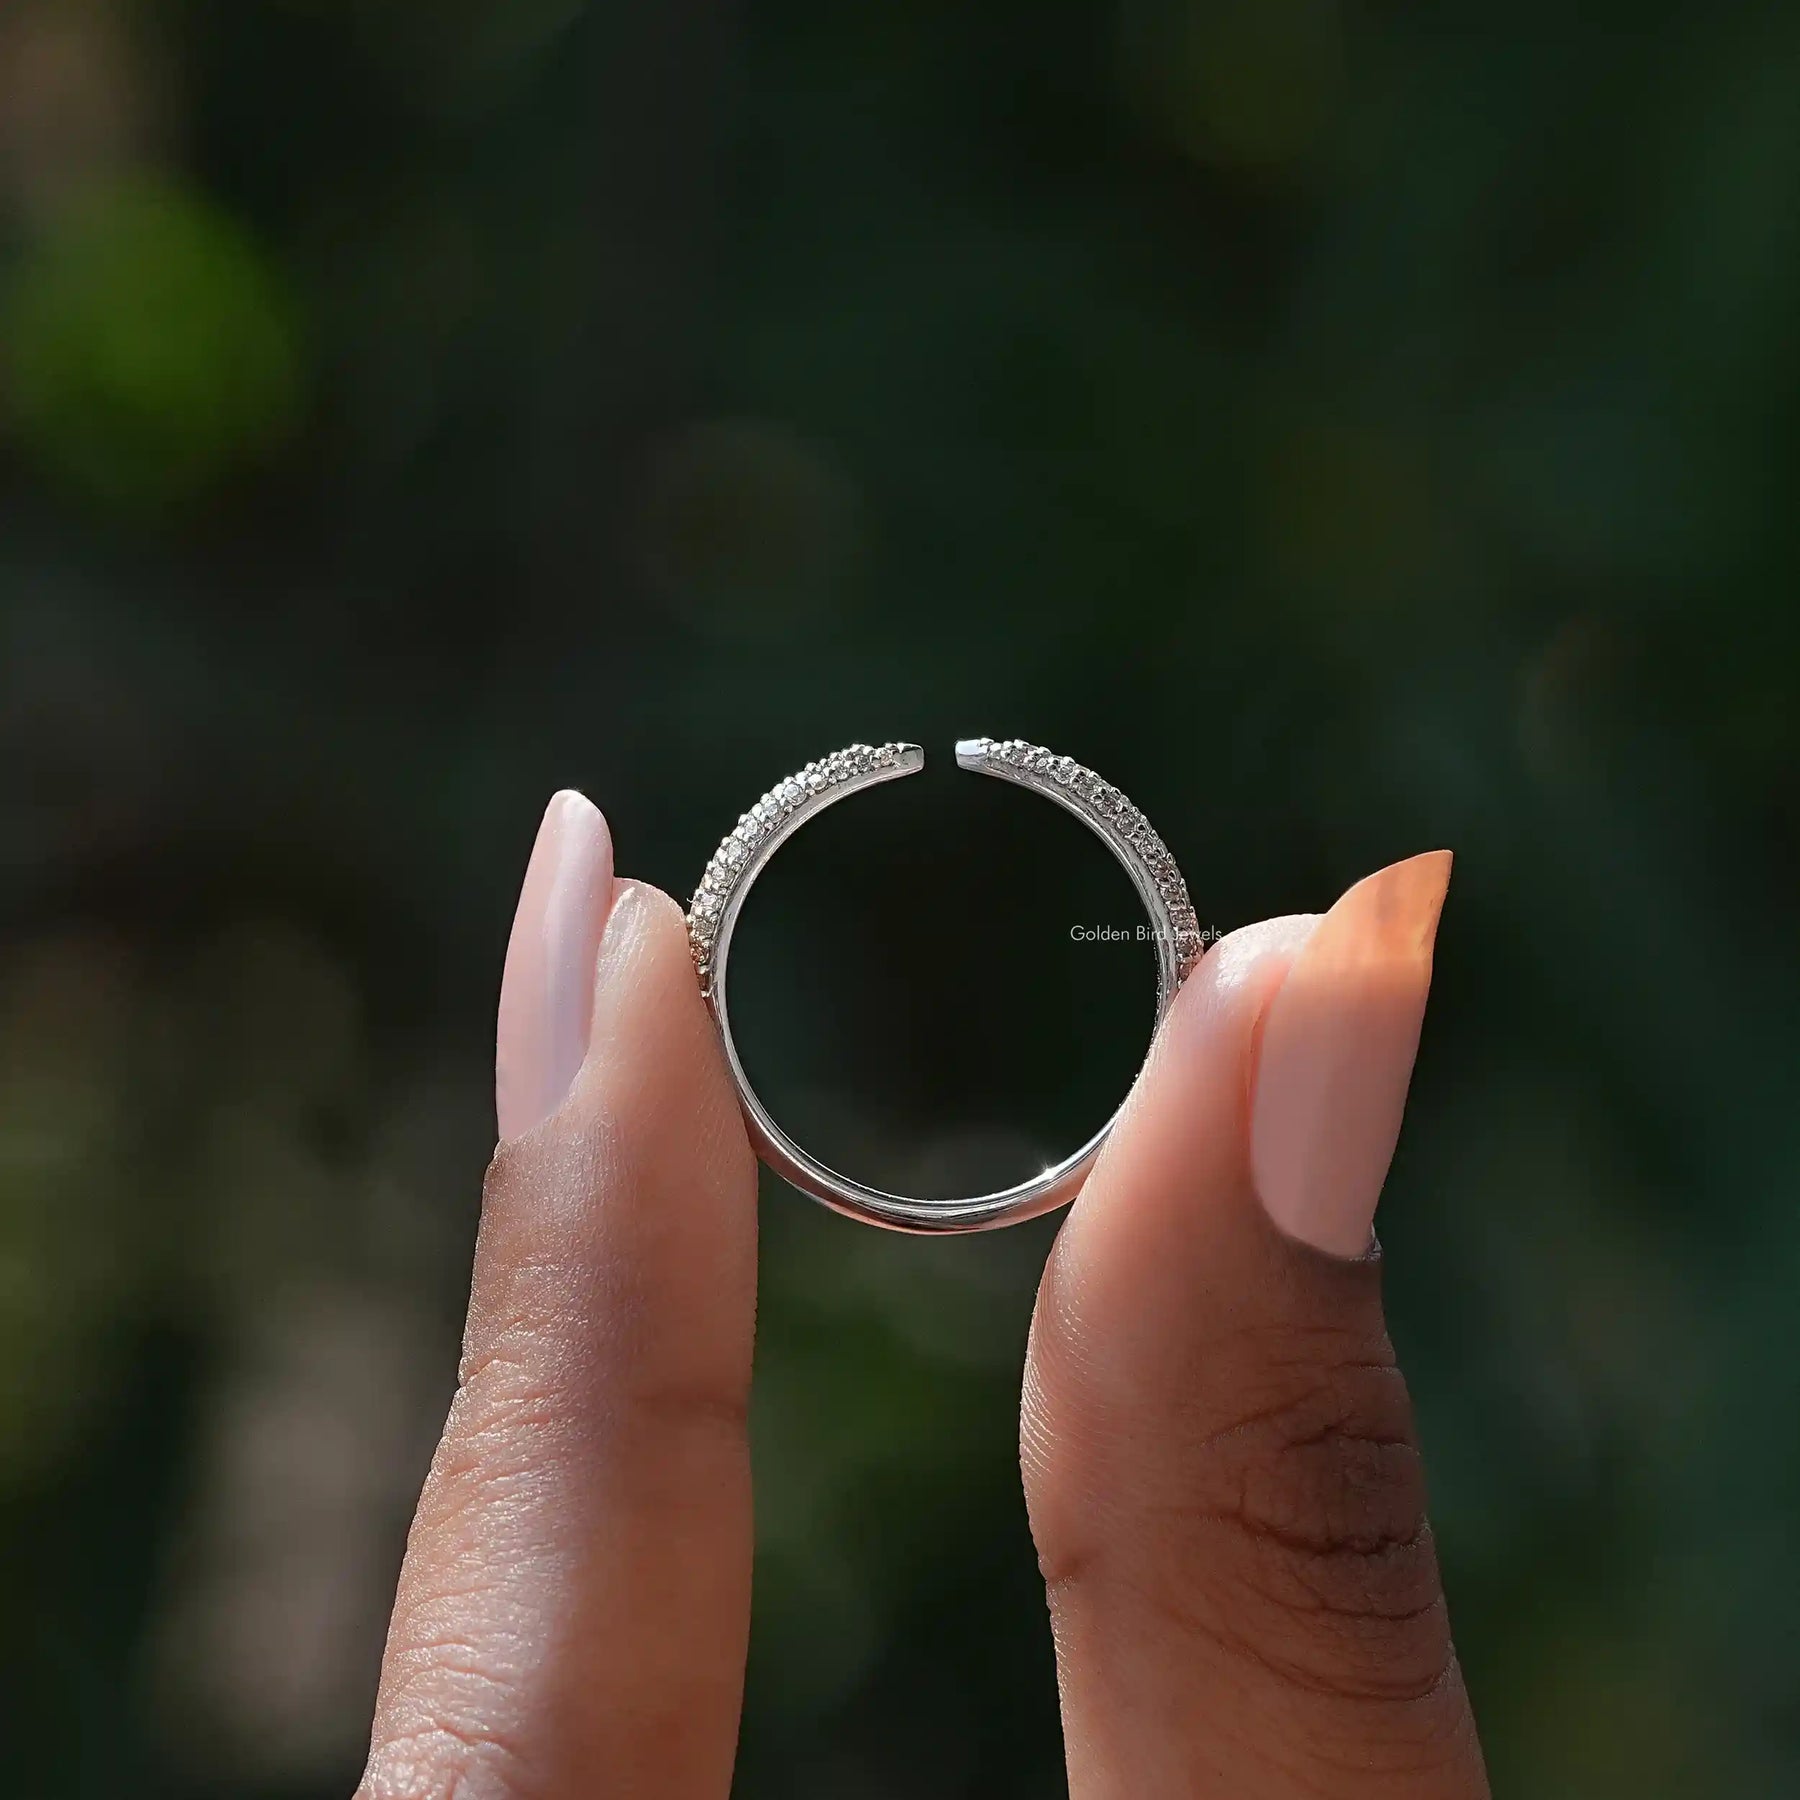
1338,1043
547,992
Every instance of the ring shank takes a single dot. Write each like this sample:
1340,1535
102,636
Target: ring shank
1118,825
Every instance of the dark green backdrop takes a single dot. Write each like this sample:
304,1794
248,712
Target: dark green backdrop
1352,429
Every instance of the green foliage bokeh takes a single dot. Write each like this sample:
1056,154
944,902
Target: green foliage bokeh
1351,429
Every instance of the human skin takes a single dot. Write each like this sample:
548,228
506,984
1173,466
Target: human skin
1217,1446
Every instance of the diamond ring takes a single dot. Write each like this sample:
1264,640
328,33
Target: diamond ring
713,916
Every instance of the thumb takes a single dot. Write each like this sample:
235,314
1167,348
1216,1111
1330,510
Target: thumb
1226,1495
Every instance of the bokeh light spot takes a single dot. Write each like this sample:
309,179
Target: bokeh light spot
1348,516
748,524
148,346
1241,83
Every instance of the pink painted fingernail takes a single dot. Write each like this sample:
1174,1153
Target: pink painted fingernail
1338,1043
547,992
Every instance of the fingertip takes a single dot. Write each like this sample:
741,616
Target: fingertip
1167,1221
1239,970
654,1055
1186,1120
645,942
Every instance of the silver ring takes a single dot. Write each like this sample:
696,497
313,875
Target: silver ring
713,916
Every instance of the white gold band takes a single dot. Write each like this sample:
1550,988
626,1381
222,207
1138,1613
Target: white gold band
713,915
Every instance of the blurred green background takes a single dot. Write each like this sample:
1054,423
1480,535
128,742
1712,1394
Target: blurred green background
1350,428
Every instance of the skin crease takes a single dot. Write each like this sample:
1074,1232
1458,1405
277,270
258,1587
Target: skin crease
1216,1444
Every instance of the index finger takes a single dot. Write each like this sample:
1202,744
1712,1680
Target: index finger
574,1606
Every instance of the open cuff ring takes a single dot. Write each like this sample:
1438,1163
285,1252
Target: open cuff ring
713,916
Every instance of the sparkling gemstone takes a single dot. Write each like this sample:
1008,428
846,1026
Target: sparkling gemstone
1103,803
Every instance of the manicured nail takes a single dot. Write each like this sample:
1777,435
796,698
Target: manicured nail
1338,1043
547,992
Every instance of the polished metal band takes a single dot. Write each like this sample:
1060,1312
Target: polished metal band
713,915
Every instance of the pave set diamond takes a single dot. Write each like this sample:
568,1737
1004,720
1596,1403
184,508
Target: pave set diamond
802,792
788,802
1117,818
785,808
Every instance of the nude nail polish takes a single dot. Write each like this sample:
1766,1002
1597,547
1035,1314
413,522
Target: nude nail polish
1338,1042
547,991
